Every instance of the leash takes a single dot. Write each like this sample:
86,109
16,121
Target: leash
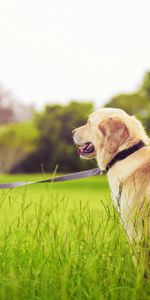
73,176
78,175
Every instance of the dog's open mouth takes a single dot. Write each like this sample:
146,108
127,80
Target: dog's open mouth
86,150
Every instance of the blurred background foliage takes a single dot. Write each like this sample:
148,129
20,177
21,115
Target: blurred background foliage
33,142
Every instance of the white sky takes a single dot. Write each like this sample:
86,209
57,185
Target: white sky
56,50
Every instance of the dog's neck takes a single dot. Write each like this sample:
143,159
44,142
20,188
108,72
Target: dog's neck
124,168
124,154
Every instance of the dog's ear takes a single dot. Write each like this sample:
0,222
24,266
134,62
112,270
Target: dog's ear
115,133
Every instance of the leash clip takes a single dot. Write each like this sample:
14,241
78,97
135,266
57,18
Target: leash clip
102,172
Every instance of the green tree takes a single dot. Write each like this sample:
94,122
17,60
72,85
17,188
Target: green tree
145,86
55,144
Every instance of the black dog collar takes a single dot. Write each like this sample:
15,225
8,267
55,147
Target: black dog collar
124,153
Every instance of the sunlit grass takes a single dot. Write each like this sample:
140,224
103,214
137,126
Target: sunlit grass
65,241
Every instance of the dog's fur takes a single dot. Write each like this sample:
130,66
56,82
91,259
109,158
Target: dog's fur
111,131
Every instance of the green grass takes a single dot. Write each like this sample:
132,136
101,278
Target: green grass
65,241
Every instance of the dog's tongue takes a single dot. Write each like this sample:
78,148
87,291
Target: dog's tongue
87,148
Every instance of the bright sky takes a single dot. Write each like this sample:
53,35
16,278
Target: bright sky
56,50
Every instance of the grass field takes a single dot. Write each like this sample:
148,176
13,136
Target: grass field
65,241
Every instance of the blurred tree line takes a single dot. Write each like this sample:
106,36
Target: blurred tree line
54,145
47,141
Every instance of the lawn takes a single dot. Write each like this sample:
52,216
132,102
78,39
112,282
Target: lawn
65,241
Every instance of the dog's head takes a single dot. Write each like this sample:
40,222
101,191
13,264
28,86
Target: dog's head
107,132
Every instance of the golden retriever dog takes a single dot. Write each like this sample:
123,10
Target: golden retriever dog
121,146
